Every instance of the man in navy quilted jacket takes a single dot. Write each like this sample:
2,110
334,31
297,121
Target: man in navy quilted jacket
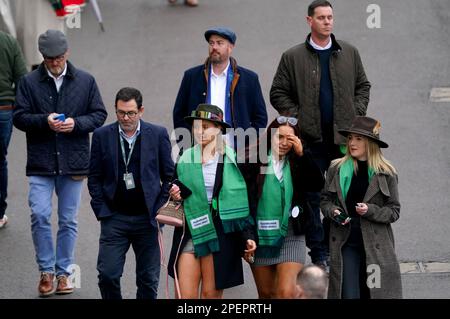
57,106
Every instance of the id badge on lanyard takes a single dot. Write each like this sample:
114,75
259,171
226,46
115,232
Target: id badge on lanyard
127,177
129,180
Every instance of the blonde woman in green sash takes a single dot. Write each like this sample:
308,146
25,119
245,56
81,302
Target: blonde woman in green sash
218,225
280,208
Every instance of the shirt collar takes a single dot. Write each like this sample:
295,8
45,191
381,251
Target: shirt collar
318,47
277,161
60,76
130,139
224,73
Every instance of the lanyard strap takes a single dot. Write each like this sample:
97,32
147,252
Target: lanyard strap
126,161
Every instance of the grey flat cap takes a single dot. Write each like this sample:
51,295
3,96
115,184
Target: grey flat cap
52,43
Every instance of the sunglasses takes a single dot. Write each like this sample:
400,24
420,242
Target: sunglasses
285,119
207,115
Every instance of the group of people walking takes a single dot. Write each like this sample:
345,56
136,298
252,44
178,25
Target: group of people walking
321,154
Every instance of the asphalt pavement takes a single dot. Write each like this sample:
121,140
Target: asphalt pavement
149,44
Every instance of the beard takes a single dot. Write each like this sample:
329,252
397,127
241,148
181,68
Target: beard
56,70
216,58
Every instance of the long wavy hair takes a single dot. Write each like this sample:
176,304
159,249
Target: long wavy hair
375,158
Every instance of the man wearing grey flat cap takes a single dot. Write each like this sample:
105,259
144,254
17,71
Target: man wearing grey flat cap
57,106
220,81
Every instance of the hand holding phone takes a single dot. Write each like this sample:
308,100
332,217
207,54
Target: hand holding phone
60,117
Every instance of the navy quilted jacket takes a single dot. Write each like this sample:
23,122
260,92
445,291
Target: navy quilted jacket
51,153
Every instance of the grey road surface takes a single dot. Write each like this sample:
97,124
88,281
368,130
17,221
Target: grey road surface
148,45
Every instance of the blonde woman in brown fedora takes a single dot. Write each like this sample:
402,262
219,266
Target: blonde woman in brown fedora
361,197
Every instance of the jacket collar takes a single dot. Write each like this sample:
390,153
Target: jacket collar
378,183
207,65
43,75
334,44
147,145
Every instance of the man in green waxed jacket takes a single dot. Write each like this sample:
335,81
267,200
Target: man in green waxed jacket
12,67
321,82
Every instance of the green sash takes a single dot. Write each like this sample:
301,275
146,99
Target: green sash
346,172
273,211
232,203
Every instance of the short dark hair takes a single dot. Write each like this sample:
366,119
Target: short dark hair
127,94
317,3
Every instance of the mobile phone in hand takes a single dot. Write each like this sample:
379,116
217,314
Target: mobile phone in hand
60,117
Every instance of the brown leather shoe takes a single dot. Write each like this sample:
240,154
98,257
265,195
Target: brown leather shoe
64,285
46,284
191,3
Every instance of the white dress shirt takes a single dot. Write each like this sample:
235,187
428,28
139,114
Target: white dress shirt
58,80
131,139
218,87
278,167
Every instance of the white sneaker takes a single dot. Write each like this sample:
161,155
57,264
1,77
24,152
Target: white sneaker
3,221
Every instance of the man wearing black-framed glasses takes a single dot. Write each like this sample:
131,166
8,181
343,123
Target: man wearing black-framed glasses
126,192
57,106
323,83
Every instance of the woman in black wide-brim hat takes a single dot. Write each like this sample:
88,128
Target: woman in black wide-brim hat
361,196
218,225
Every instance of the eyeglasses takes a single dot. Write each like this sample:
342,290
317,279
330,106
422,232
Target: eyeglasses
285,119
130,114
207,115
59,58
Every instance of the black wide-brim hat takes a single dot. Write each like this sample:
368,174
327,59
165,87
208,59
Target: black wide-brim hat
208,112
365,126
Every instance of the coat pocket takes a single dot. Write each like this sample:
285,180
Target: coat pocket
78,159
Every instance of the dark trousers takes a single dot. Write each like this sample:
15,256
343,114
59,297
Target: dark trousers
117,233
317,235
354,274
5,137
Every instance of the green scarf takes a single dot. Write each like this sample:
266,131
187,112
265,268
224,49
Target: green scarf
346,172
273,211
232,203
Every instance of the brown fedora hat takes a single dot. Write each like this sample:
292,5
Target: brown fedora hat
365,126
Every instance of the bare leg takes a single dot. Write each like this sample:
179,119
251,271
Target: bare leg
265,280
209,290
189,274
286,280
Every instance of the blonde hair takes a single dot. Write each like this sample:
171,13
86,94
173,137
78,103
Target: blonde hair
375,158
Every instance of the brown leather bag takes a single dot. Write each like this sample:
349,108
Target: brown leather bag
171,213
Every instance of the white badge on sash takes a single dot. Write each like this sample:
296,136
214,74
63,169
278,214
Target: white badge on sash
200,221
295,211
268,224
129,180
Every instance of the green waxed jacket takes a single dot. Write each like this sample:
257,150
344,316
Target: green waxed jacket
12,67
